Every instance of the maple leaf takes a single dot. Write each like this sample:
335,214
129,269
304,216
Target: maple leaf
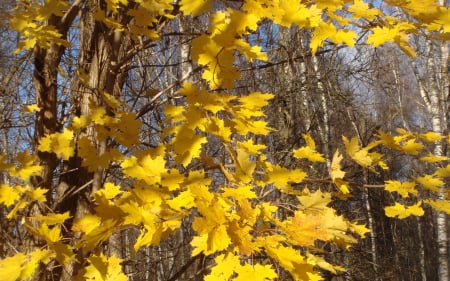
92,158
292,261
98,234
103,268
10,267
31,108
245,164
184,200
401,211
59,143
195,8
252,104
64,253
297,13
360,9
359,229
145,167
430,182
362,156
402,188
26,165
326,30
337,175
431,136
309,151
216,240
224,267
37,194
314,202
80,122
188,146
256,272
18,206
322,263
9,194
172,179
240,193
443,172
52,219
33,260
127,130
440,205
86,224
281,177
412,147
431,158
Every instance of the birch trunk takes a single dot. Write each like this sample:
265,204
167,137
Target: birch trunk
434,89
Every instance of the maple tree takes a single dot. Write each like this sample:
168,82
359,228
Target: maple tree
175,181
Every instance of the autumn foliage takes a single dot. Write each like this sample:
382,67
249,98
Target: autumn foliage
233,219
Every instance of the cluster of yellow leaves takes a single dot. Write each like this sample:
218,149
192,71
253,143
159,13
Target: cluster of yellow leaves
231,220
415,145
28,18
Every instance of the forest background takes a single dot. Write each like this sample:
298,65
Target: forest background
224,140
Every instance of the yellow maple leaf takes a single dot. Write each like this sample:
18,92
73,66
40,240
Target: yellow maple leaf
195,8
52,219
256,272
188,146
26,165
216,240
281,177
18,206
103,268
337,175
292,261
224,267
59,143
361,9
98,234
412,147
239,193
360,155
34,259
86,224
297,13
184,200
430,182
245,165
37,194
402,188
9,194
309,151
126,130
172,179
80,122
322,263
401,211
431,136
11,267
397,33
359,229
31,108
314,202
440,205
326,30
431,158
443,172
145,167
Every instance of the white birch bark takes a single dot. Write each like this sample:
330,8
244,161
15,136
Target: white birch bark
434,89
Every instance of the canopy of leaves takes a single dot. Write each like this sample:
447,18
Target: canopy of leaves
231,221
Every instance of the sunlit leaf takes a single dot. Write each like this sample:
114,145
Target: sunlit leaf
402,211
